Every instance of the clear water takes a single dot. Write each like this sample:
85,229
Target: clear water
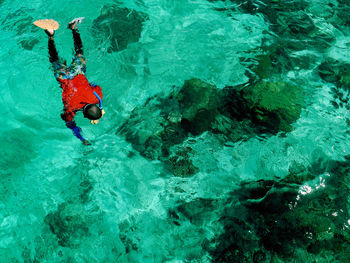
114,202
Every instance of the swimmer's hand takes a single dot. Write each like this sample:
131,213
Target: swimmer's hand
86,142
97,121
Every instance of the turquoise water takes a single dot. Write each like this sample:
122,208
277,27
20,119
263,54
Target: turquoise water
252,194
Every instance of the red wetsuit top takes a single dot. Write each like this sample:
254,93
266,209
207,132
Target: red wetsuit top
77,92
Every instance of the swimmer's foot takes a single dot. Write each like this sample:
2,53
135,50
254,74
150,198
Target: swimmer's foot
50,33
75,22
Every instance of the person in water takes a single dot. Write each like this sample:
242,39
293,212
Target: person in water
77,93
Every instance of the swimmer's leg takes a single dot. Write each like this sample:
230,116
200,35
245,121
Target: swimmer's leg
53,55
78,65
60,69
78,45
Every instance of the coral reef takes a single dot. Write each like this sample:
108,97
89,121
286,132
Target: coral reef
286,219
231,114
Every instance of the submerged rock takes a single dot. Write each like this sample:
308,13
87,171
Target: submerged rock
296,34
16,139
336,72
121,26
181,164
199,103
196,95
164,122
297,23
69,224
231,129
196,211
153,128
274,105
22,23
126,229
264,66
161,123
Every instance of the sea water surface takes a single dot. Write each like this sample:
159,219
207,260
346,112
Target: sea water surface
61,201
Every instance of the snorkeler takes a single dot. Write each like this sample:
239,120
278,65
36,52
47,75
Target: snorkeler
77,93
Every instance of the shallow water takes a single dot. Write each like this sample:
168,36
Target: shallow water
62,201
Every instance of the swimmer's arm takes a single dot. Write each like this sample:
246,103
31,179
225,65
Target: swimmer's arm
76,130
68,116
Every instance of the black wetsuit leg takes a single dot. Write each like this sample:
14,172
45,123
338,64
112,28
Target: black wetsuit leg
78,45
53,55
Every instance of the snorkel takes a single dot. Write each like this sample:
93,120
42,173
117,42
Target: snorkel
99,99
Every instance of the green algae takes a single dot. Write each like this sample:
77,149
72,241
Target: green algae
276,103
